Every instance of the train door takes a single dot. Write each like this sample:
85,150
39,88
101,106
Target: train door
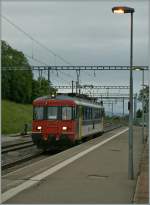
79,122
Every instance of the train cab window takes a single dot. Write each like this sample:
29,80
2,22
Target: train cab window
66,113
38,113
52,113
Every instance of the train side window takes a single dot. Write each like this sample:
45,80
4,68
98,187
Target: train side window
88,113
94,113
85,113
102,112
99,113
97,116
66,113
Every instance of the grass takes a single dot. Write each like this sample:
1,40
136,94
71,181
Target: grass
117,120
14,116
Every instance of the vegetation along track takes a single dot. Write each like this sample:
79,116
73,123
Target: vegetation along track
34,154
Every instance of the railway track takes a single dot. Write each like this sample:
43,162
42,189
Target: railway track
16,146
36,153
20,160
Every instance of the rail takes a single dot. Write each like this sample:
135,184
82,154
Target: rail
17,146
108,126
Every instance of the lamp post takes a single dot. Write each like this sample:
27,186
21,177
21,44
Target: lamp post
122,10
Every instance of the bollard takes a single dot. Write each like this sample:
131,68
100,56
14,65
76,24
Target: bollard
25,128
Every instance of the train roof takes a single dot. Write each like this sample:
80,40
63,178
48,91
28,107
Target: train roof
76,99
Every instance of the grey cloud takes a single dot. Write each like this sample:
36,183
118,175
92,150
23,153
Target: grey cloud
83,33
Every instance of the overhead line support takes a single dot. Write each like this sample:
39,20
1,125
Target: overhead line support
75,68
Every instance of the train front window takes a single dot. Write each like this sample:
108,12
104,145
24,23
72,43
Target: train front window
66,113
52,113
38,113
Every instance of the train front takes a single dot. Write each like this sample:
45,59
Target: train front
53,123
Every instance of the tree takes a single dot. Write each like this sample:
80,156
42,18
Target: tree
139,113
16,84
19,85
144,94
41,87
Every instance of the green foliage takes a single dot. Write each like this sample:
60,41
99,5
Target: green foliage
19,85
41,87
16,84
14,116
139,113
144,94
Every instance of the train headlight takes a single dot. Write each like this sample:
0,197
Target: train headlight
39,127
64,128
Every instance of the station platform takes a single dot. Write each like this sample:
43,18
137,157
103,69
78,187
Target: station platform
93,172
142,188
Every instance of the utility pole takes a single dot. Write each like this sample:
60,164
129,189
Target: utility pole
78,82
130,137
48,75
76,87
40,76
112,109
135,106
123,106
72,85
143,107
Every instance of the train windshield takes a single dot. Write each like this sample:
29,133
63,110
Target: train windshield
52,113
38,113
66,113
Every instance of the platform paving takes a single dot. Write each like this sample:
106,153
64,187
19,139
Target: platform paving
101,176
142,188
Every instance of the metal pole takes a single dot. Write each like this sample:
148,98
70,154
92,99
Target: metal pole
78,82
48,75
143,107
112,108
130,162
76,87
135,106
123,107
72,85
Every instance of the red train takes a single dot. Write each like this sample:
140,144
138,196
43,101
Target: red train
64,119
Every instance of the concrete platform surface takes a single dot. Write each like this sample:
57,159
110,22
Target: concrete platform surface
142,188
99,176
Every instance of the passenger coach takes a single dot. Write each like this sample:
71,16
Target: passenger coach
64,119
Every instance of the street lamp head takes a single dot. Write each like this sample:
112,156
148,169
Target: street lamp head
122,9
138,68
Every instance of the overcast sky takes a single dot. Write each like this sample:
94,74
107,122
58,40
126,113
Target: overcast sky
83,33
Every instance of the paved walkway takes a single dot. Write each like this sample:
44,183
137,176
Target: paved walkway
101,176
142,188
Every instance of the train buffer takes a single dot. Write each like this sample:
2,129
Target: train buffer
93,172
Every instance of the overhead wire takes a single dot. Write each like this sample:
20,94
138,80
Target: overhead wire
36,41
39,43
